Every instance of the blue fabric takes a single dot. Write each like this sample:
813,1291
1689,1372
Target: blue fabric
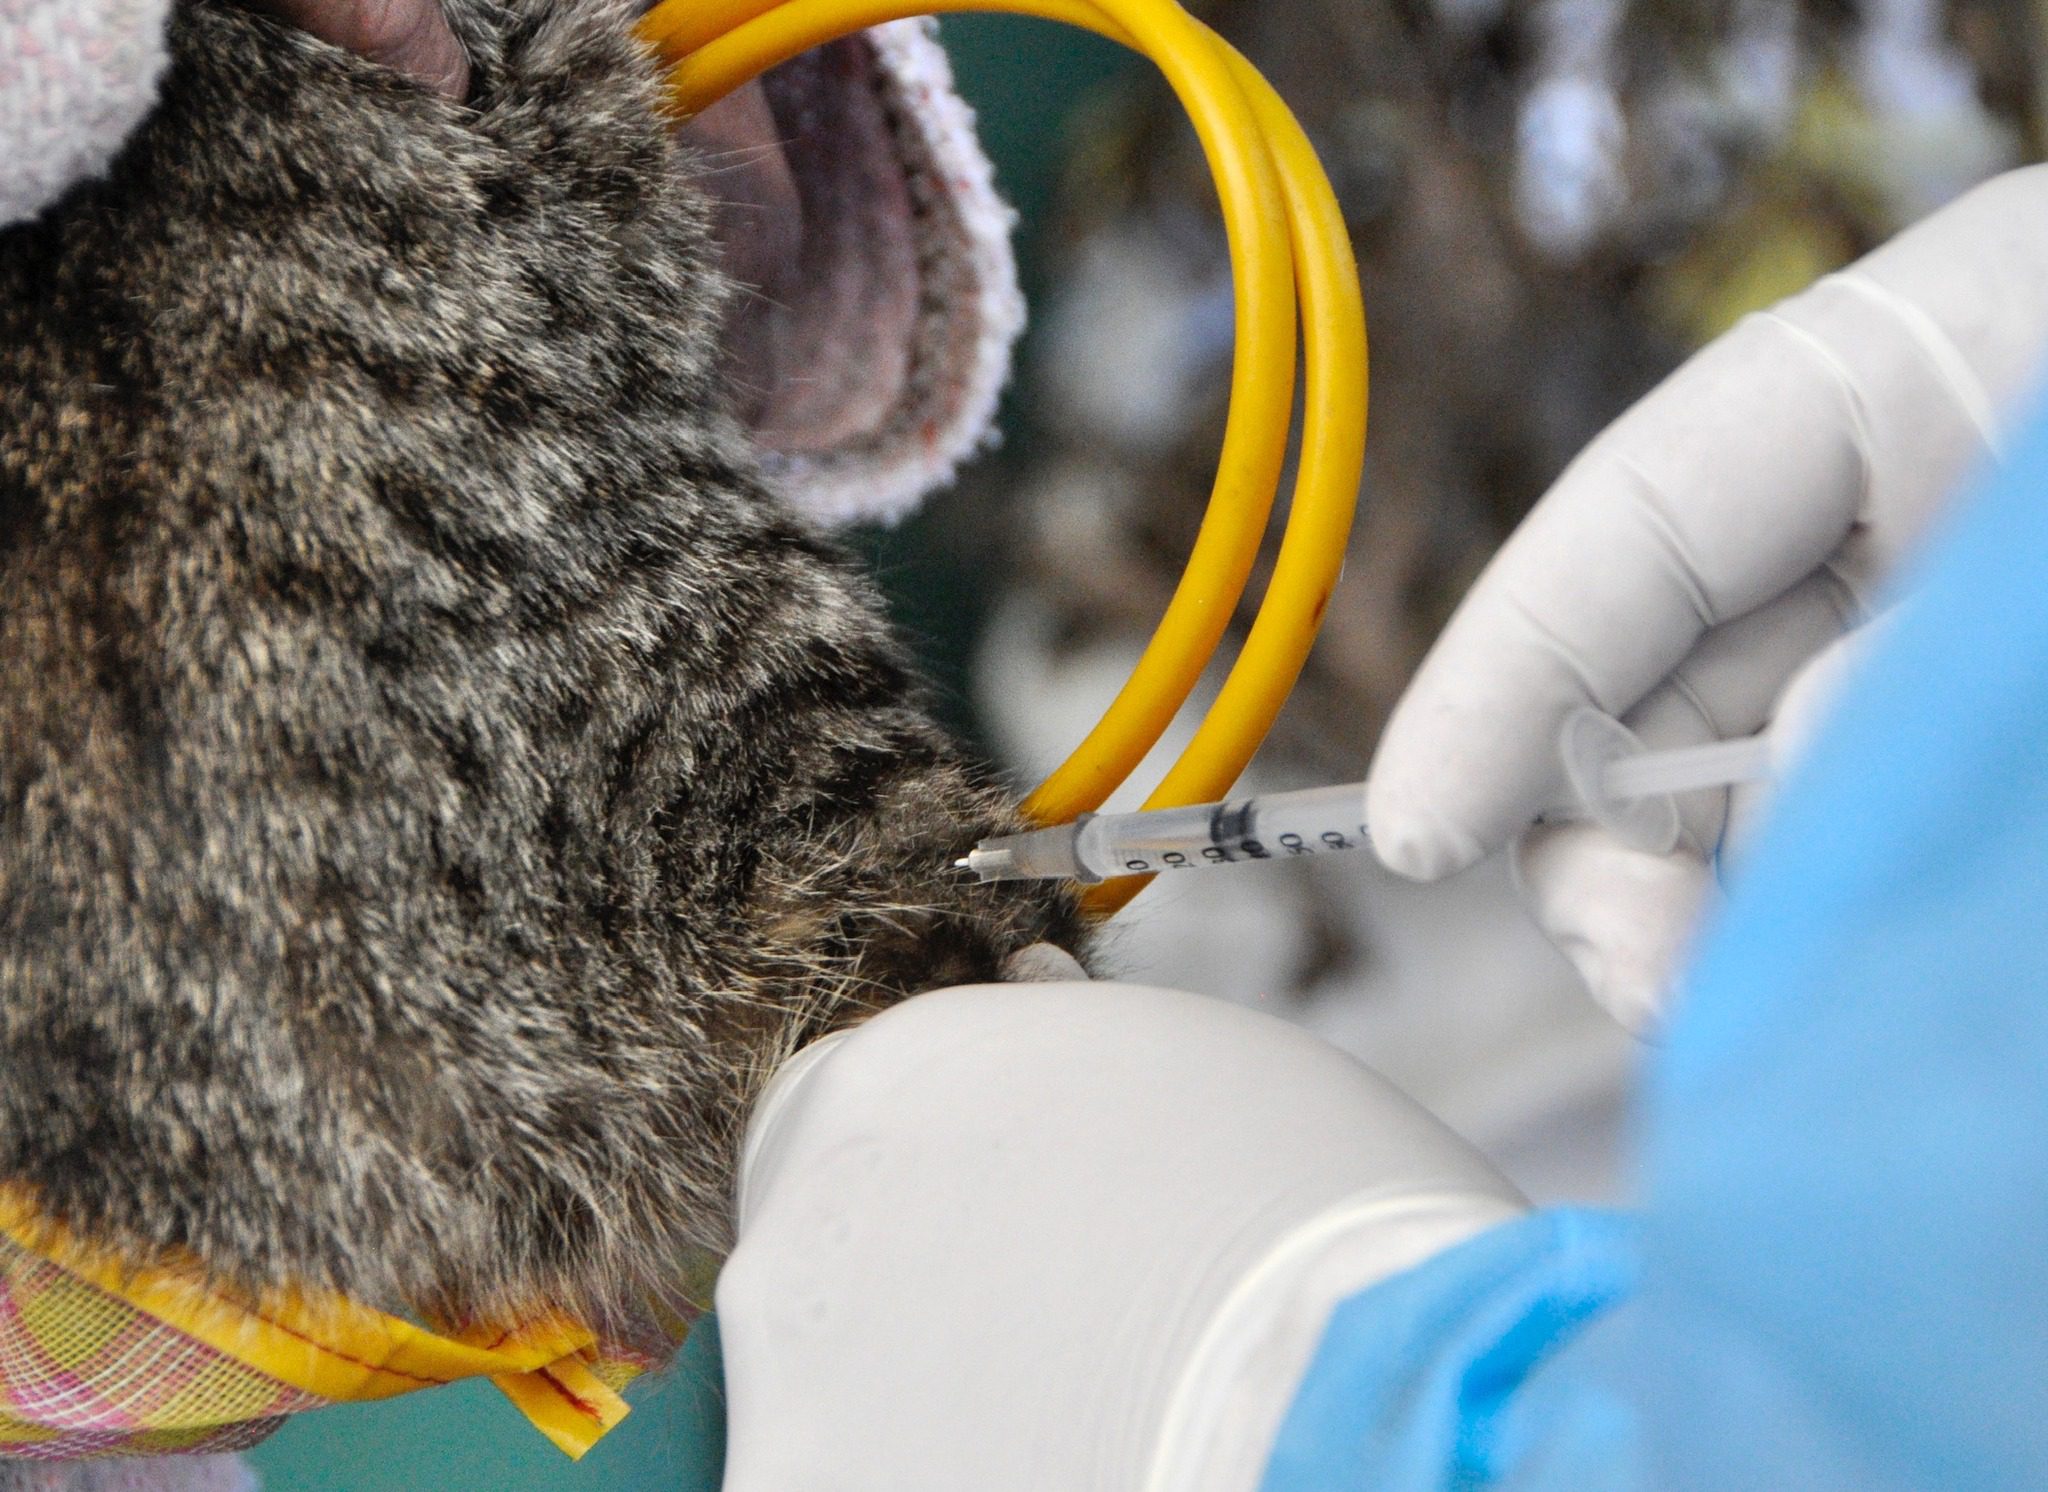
1412,1383
1844,1241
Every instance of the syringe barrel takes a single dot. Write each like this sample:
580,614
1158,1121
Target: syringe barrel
1278,826
1120,844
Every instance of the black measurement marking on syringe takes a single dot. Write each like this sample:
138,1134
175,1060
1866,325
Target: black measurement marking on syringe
1232,826
1230,829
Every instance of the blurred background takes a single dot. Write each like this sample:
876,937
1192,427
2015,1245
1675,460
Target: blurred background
1553,201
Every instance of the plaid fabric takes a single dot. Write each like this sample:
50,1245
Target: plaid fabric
83,1373
100,1359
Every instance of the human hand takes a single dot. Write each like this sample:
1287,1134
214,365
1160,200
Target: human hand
1701,552
409,36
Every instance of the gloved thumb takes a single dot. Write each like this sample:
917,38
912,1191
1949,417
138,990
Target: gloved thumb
1623,917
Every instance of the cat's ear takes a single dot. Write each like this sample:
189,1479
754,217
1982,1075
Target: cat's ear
879,303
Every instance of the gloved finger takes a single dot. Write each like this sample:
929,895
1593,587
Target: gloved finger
1730,684
987,1239
1720,490
1809,694
1043,963
1625,918
1622,917
410,36
1971,285
1934,336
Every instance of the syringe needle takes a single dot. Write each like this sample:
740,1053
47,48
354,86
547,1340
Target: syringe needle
1035,855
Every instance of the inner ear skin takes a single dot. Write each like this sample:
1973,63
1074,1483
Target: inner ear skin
759,219
816,221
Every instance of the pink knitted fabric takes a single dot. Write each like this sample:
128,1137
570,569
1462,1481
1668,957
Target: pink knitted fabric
974,311
159,1474
75,77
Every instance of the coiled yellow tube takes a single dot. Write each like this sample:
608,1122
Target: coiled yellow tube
1287,241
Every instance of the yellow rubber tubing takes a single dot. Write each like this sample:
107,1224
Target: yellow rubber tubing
1262,384
1311,553
1311,557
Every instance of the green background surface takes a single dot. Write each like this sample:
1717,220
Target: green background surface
468,1438
1025,78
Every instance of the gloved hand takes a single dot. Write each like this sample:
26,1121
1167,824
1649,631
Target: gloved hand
1703,550
1075,1236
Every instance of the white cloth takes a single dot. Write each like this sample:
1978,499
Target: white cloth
75,77
1714,540
1083,1236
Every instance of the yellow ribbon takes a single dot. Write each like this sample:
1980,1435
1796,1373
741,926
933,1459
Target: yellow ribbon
338,1350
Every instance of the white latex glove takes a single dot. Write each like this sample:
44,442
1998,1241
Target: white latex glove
1697,555
1075,1236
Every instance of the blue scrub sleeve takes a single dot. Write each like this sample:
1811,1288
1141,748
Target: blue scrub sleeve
1413,1381
1844,1239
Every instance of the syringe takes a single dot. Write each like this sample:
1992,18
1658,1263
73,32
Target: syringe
1615,780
